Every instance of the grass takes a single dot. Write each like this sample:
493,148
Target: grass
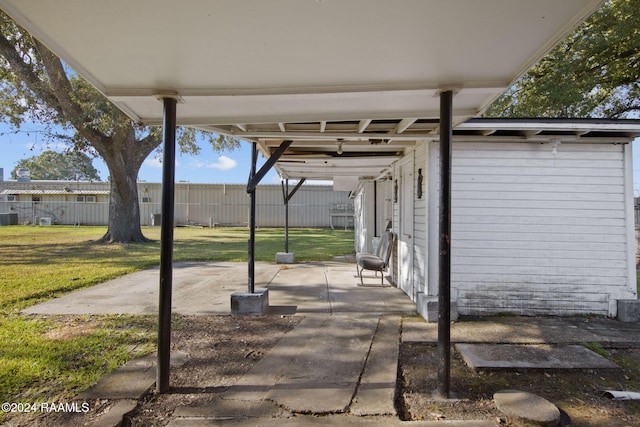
50,359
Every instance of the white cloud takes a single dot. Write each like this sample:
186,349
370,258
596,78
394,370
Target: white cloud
153,162
196,164
224,163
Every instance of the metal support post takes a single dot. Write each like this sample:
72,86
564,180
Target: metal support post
286,216
252,219
166,244
287,196
444,285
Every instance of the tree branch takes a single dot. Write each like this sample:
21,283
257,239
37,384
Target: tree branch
61,85
27,74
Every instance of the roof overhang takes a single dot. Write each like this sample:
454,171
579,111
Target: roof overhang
361,73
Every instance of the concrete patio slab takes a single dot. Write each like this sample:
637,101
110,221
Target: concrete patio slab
540,356
330,420
324,376
198,288
525,330
376,391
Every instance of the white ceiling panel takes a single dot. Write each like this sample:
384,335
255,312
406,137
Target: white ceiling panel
237,64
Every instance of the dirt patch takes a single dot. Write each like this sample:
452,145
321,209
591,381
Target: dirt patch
578,394
71,331
220,350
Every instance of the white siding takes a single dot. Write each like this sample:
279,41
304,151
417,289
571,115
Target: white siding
534,232
395,210
420,234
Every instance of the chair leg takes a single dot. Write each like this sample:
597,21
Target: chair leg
361,282
381,278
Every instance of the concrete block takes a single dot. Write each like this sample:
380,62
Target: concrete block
629,310
427,306
252,304
284,257
527,408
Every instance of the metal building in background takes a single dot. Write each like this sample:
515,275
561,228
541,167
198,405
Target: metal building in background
209,205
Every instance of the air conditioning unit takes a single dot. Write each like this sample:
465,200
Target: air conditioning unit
90,199
79,198
45,221
146,199
12,198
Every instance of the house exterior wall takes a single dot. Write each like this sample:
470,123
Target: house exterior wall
534,231
420,218
539,232
195,204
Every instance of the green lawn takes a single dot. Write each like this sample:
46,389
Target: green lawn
48,359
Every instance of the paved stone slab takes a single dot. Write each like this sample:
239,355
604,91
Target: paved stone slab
324,376
508,356
505,330
376,392
347,297
198,288
113,417
527,407
255,384
342,420
231,409
130,381
303,286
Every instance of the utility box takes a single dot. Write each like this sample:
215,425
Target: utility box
10,218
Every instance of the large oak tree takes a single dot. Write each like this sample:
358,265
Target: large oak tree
35,85
593,73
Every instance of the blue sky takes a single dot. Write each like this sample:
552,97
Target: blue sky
230,167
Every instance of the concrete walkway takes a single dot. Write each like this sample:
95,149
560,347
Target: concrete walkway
198,288
337,367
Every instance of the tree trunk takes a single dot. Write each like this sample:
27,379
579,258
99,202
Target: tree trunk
124,156
124,208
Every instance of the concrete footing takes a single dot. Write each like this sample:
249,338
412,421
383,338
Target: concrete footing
629,310
284,257
251,304
427,307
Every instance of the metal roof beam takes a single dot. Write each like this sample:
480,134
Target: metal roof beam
337,135
255,179
403,125
363,124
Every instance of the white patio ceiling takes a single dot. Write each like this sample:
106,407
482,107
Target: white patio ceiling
366,73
